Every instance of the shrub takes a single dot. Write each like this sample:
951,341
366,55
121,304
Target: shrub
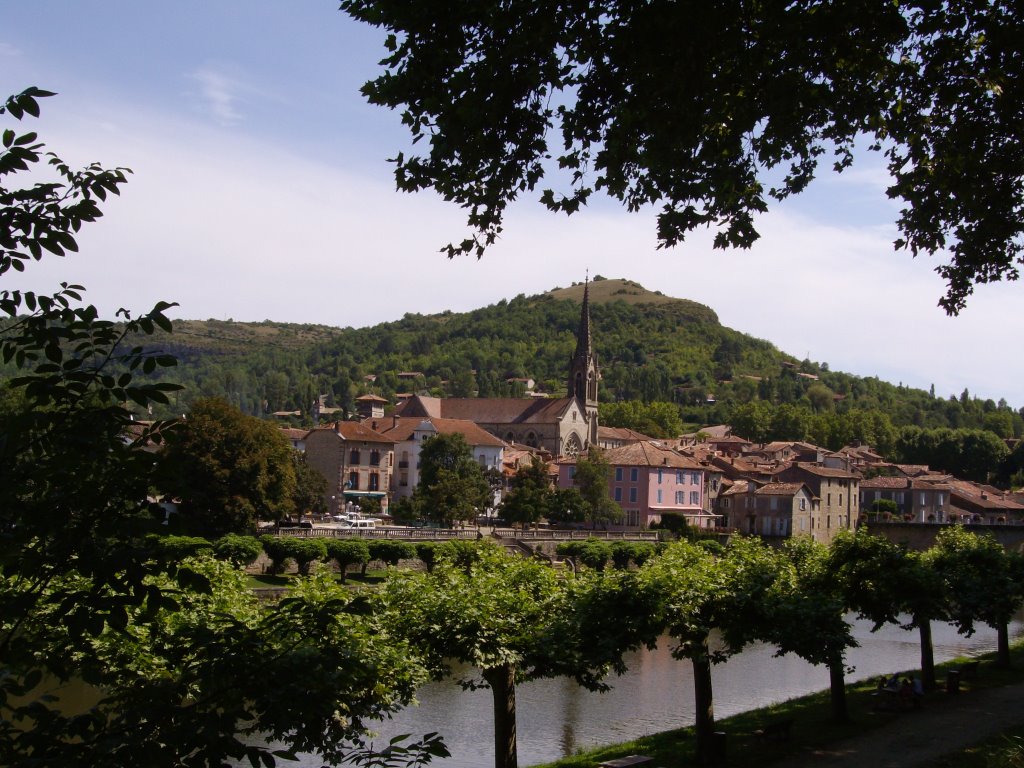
177,548
347,552
278,552
239,550
305,552
622,553
462,553
391,552
427,552
593,553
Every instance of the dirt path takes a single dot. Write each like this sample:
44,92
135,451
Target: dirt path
919,737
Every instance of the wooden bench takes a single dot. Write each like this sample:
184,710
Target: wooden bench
775,731
625,762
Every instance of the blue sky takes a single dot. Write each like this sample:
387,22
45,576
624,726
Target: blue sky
261,190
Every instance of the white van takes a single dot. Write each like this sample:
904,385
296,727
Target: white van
364,524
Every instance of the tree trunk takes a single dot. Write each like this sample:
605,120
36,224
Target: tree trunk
924,628
1002,645
503,690
705,701
837,690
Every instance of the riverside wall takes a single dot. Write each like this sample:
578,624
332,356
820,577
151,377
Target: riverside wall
921,536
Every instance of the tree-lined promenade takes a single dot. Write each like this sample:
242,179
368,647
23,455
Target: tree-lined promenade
514,619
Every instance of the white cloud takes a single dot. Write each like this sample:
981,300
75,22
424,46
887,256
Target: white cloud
9,49
221,94
232,227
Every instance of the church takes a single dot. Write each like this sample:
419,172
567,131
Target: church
564,426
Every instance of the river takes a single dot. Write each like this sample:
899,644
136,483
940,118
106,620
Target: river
556,717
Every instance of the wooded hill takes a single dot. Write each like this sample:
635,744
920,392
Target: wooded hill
651,348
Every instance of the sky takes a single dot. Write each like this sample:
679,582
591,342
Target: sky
261,190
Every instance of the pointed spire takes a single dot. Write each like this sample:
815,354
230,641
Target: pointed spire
583,336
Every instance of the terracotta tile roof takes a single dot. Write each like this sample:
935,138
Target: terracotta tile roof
402,429
912,470
294,434
780,489
716,432
738,487
647,454
354,430
730,439
621,433
488,410
816,469
884,483
371,399
919,484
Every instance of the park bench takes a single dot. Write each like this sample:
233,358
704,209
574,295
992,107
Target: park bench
775,731
626,762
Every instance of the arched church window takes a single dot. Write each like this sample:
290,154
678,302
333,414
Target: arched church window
572,446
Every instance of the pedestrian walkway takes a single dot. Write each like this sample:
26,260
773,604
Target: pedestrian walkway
919,737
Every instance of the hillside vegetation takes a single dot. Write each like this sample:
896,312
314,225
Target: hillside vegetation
651,348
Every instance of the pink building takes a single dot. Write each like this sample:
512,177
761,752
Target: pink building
650,482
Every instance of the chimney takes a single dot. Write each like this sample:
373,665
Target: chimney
394,420
373,425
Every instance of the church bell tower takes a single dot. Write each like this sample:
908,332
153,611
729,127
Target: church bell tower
583,371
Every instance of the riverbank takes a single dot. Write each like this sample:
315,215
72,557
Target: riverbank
932,736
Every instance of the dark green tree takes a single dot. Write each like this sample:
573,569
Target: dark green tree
513,620
310,487
228,469
690,109
566,507
591,477
696,593
983,582
452,485
530,497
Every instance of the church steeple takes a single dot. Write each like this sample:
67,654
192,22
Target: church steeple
583,370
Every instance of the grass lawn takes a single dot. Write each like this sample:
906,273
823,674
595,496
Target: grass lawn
812,726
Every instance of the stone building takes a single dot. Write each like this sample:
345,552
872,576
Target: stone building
356,461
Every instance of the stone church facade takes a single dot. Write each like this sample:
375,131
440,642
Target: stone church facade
563,426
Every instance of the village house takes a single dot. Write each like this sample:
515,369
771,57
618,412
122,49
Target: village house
837,492
772,510
356,462
370,406
650,483
297,437
916,500
409,434
982,504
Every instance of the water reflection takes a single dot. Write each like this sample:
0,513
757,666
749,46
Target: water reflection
556,717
